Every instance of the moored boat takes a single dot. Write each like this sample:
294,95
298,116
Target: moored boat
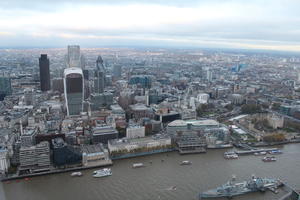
76,174
138,165
275,152
230,155
102,173
269,159
231,188
262,153
186,162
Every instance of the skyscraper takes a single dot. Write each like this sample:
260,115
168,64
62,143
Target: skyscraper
5,87
117,71
99,81
74,57
209,75
44,72
74,90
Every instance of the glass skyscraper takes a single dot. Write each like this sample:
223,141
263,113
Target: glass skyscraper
5,87
74,90
44,72
99,81
74,58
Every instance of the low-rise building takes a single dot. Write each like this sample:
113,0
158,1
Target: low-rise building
135,131
138,111
35,158
64,154
99,100
28,137
95,155
4,161
191,125
190,142
117,111
101,134
123,148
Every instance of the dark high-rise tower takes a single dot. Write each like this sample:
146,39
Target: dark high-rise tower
44,72
5,87
99,82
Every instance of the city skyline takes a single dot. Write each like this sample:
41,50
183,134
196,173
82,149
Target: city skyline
269,25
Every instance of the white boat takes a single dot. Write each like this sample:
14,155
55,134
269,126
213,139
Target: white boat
269,159
76,174
230,155
102,173
186,162
275,152
137,165
262,153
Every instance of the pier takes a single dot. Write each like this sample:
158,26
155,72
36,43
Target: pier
252,151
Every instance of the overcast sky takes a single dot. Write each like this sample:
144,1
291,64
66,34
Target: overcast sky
254,24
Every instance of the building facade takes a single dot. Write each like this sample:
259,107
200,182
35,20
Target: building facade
44,73
73,56
99,76
4,161
135,131
73,90
102,134
5,87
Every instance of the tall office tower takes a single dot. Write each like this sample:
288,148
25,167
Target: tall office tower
99,64
5,87
117,70
82,61
74,58
74,90
44,72
58,85
86,74
99,81
208,75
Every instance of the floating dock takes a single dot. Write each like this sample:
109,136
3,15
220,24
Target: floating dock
254,151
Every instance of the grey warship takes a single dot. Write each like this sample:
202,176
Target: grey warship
231,188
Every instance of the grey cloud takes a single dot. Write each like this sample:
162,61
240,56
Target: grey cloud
278,23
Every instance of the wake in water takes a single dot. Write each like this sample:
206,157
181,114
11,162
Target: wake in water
172,188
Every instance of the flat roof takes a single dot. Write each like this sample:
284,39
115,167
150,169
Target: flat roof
92,148
238,117
240,131
72,70
132,141
206,122
139,107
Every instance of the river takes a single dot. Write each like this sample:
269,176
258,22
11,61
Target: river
154,181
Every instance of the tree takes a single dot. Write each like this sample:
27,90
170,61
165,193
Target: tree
279,137
276,106
201,110
122,132
229,107
251,108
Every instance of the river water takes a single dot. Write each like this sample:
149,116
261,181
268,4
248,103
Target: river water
154,181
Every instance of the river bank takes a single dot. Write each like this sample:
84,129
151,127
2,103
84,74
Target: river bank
207,171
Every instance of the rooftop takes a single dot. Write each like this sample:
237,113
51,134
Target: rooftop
72,70
139,106
206,122
238,117
136,141
92,148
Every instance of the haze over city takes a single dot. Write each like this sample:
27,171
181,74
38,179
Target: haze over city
149,100
257,24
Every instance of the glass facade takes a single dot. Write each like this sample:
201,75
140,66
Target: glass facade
5,87
74,91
